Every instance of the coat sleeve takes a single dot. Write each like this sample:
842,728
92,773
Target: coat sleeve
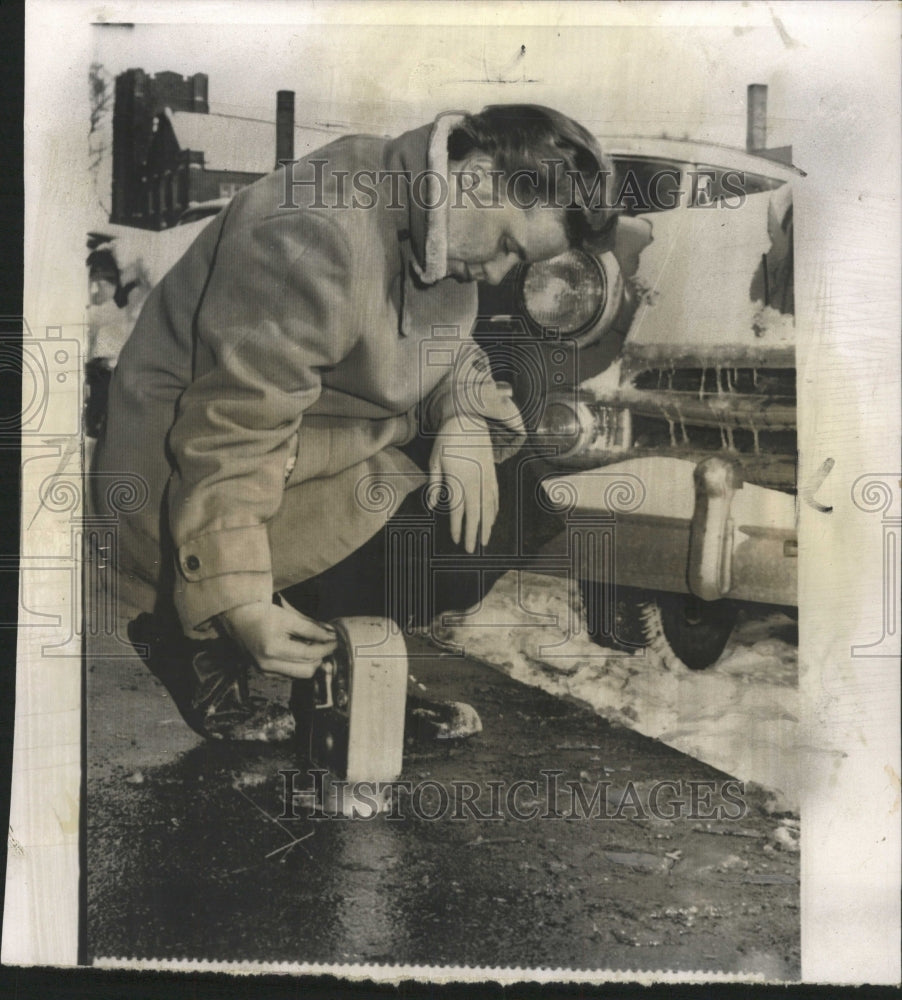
272,316
468,391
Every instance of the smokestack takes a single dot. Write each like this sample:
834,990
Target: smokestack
756,131
284,125
199,85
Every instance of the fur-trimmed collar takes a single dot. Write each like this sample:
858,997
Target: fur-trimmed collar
435,251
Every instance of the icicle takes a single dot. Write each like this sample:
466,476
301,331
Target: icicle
678,414
730,439
701,385
755,438
672,428
723,435
755,377
717,371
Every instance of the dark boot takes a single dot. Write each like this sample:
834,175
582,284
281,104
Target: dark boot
426,719
207,680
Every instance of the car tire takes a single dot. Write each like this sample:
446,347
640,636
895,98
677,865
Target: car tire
687,631
683,631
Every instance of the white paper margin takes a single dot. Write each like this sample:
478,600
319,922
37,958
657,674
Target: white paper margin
846,67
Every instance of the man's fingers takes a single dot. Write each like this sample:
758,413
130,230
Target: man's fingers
466,475
302,648
299,626
284,668
294,649
489,503
456,497
473,515
455,521
477,505
306,630
280,639
290,655
488,519
434,489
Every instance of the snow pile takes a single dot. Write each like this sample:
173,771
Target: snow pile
772,325
740,716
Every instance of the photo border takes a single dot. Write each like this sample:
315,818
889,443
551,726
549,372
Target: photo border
847,423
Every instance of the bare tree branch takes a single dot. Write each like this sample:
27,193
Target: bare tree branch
101,96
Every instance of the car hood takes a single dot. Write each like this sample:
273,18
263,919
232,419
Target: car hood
698,284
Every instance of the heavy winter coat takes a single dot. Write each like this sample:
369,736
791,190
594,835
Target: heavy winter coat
273,374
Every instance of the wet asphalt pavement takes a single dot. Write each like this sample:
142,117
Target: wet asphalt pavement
187,856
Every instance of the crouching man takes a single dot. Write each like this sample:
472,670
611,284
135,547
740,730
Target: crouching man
278,378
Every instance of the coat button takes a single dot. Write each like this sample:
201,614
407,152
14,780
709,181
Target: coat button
192,563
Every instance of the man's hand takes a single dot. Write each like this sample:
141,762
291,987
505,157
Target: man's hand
463,463
505,423
280,639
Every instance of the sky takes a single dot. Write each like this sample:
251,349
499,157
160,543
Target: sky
385,78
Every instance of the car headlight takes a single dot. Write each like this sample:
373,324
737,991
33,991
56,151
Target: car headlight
576,427
574,295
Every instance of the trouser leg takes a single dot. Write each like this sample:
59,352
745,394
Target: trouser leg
409,571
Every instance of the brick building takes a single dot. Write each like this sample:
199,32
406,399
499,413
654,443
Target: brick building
169,150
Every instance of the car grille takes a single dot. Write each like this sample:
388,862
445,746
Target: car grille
743,406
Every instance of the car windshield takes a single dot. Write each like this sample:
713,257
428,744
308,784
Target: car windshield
715,185
644,184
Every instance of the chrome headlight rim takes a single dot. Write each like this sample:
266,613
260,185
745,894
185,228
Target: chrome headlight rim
607,269
587,426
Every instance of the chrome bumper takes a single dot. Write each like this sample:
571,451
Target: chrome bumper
676,526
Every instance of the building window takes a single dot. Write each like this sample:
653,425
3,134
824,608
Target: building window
228,189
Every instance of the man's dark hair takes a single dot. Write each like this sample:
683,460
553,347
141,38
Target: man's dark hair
563,163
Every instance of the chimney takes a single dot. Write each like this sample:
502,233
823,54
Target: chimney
284,125
199,84
756,130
